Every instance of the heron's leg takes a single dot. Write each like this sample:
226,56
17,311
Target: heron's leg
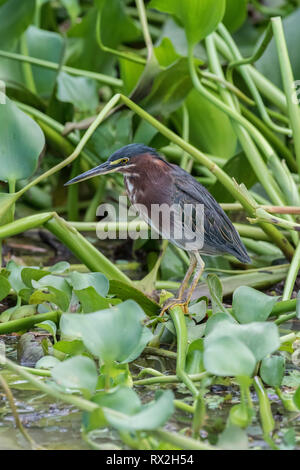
198,274
192,266
179,298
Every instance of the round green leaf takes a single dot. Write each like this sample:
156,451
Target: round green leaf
250,305
228,356
21,142
80,91
49,326
79,372
261,338
150,416
47,362
45,45
83,280
272,370
121,399
112,334
240,415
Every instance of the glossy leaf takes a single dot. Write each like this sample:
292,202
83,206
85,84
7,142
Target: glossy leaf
239,168
50,295
235,14
44,45
213,321
145,338
15,16
165,53
47,362
21,142
170,88
91,289
250,305
96,280
91,301
79,91
221,346
112,334
14,277
121,399
4,287
78,373
49,326
240,415
194,358
70,347
268,64
113,13
216,292
7,201
272,370
113,134
210,129
228,356
32,274
149,417
59,268
199,17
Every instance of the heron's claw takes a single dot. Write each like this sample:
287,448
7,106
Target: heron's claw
172,303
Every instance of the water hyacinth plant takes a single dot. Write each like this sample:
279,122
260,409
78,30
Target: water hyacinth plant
213,87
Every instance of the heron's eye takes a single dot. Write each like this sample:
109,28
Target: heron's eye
124,160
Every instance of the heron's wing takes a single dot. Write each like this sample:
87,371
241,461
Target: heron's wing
220,236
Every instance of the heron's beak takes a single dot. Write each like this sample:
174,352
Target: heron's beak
103,169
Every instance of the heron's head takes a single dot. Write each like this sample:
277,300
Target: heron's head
125,160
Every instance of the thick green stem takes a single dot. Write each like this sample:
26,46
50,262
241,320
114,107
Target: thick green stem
272,138
24,324
245,73
292,275
285,318
84,250
170,379
178,318
266,416
26,223
106,79
257,53
180,441
265,86
288,84
144,23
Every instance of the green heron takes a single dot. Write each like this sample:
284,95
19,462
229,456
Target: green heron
152,181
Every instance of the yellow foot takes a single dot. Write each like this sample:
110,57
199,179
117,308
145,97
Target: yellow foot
172,303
